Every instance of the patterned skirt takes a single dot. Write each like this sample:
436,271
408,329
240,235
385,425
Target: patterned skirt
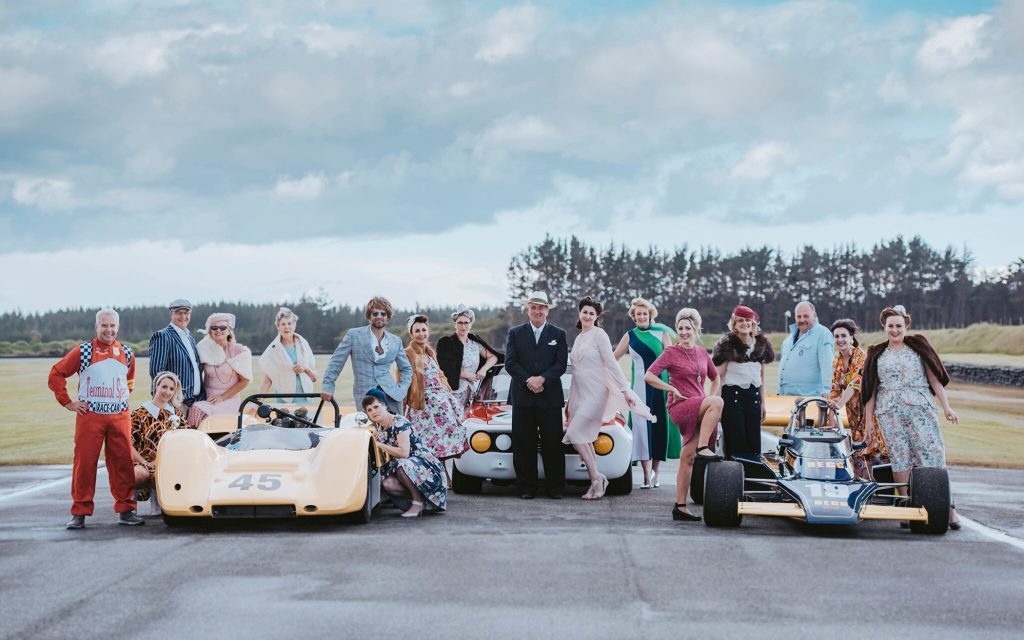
439,424
912,437
426,473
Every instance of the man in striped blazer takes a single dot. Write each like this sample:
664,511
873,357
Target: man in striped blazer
173,349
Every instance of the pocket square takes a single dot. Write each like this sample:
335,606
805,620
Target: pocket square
553,343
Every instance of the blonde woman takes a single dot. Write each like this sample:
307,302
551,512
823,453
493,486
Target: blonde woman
653,442
695,410
149,422
288,363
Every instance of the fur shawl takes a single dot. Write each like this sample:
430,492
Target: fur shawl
920,345
730,348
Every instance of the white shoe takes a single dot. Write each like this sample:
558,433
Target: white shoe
154,505
654,479
645,486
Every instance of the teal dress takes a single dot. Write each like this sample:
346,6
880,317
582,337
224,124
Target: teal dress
293,354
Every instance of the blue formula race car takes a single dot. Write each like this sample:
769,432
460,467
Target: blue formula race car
810,477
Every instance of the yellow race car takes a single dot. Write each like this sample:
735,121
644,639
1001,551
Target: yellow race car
278,463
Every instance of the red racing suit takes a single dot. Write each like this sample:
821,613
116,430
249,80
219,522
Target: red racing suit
106,376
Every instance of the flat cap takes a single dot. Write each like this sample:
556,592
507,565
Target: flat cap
180,303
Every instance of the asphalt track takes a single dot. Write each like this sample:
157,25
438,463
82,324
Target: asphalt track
496,566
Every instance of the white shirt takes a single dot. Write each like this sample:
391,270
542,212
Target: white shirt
377,357
743,374
537,331
192,355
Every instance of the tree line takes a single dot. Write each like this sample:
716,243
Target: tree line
940,288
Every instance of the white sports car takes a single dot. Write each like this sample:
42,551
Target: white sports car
489,428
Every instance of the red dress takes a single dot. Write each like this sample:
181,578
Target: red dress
687,371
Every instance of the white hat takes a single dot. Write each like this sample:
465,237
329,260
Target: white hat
538,297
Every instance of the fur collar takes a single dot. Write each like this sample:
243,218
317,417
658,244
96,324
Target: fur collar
730,348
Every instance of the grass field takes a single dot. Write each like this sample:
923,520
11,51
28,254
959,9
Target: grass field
34,429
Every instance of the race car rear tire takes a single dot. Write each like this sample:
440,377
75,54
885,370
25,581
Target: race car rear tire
723,490
697,480
461,483
623,485
929,488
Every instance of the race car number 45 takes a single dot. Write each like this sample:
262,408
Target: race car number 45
266,482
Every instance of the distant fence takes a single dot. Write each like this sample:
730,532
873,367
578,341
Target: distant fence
980,374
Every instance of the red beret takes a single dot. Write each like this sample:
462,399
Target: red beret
745,312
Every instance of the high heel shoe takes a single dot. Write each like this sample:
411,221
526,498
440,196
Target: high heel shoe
709,455
589,495
602,487
654,480
679,514
409,514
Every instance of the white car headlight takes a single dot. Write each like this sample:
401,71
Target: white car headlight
503,442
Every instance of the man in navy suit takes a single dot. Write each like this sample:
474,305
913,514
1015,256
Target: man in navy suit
536,355
174,349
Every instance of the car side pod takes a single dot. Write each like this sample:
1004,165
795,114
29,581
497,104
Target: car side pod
723,491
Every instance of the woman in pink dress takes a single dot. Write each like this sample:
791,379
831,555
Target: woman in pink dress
598,390
227,369
695,412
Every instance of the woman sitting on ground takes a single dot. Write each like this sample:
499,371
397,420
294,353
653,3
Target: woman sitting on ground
149,422
413,473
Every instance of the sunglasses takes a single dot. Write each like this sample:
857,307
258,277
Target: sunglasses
219,328
378,314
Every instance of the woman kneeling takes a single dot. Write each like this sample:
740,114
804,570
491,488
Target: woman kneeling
413,473
149,423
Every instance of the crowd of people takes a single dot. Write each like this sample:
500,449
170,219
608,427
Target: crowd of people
675,397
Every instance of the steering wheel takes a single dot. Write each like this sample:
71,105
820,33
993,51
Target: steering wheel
265,410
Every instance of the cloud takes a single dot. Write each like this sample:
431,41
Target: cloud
42,193
510,33
762,161
137,55
957,44
308,187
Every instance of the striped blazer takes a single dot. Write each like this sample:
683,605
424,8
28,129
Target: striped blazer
168,353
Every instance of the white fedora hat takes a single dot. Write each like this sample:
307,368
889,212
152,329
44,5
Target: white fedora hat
538,297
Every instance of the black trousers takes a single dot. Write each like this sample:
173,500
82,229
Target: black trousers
527,424
741,420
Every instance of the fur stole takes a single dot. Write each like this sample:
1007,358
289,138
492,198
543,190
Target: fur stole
730,348
920,345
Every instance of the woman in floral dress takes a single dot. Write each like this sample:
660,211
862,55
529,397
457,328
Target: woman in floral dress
149,422
847,372
900,378
412,473
435,413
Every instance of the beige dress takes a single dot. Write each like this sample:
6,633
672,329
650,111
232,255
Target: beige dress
597,389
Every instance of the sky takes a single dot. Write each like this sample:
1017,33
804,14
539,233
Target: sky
264,150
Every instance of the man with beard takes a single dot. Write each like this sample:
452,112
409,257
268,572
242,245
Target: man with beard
373,351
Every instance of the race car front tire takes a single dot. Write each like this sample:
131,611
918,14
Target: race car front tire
461,483
697,480
929,488
723,490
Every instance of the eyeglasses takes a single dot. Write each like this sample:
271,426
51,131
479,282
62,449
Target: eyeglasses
463,324
378,314
219,328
